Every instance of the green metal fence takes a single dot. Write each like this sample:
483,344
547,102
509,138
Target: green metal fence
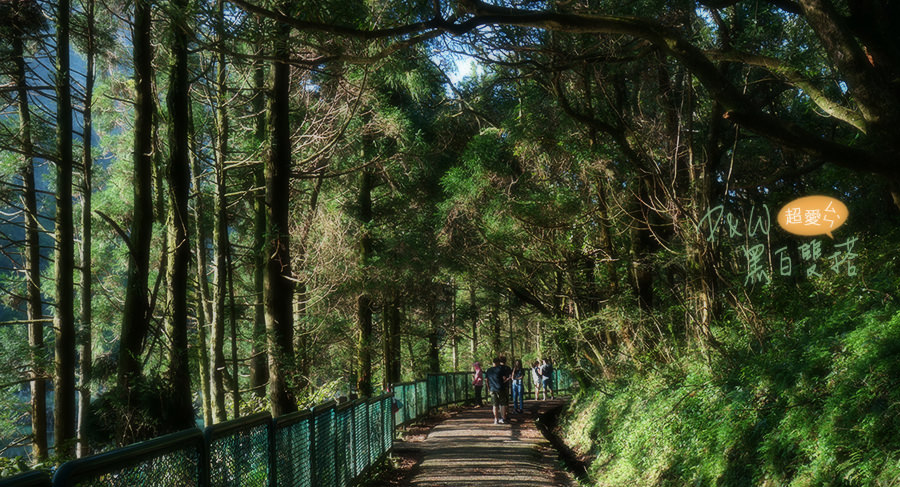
239,452
331,445
294,434
176,460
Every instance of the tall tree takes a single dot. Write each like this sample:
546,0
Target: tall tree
220,232
434,351
364,300
64,429
135,312
258,370
278,284
20,28
87,159
204,314
179,183
391,337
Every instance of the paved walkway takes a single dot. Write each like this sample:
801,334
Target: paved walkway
468,450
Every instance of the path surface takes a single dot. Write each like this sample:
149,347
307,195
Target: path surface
468,450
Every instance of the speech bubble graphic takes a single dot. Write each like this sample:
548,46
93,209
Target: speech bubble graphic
813,215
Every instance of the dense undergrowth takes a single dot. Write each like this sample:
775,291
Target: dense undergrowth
816,403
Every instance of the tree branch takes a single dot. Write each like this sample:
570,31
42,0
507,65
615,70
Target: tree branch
792,76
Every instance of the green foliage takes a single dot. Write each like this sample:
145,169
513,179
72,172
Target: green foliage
13,466
142,411
815,406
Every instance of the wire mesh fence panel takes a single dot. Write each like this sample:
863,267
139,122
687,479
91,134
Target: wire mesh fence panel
422,397
293,442
324,469
408,403
405,397
462,386
239,452
361,436
176,460
343,443
375,426
169,470
452,388
433,392
388,421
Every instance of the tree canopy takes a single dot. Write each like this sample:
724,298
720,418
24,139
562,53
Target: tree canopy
236,206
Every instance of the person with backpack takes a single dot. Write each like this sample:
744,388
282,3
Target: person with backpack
497,377
547,378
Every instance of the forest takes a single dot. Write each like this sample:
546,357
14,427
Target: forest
215,208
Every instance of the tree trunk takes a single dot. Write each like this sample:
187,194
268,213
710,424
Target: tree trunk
606,242
220,234
434,351
301,334
258,370
392,349
496,342
32,254
84,403
278,287
512,334
64,320
364,301
474,347
204,314
136,313
235,370
642,247
181,412
454,340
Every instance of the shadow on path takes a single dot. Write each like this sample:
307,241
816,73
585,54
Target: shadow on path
469,450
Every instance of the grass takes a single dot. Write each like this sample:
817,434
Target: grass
817,405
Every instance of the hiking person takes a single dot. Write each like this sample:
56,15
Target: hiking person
497,378
547,377
518,387
478,383
536,378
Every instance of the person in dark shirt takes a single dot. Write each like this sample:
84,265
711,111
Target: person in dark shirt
497,378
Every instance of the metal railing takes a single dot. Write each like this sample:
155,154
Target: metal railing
29,479
330,445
